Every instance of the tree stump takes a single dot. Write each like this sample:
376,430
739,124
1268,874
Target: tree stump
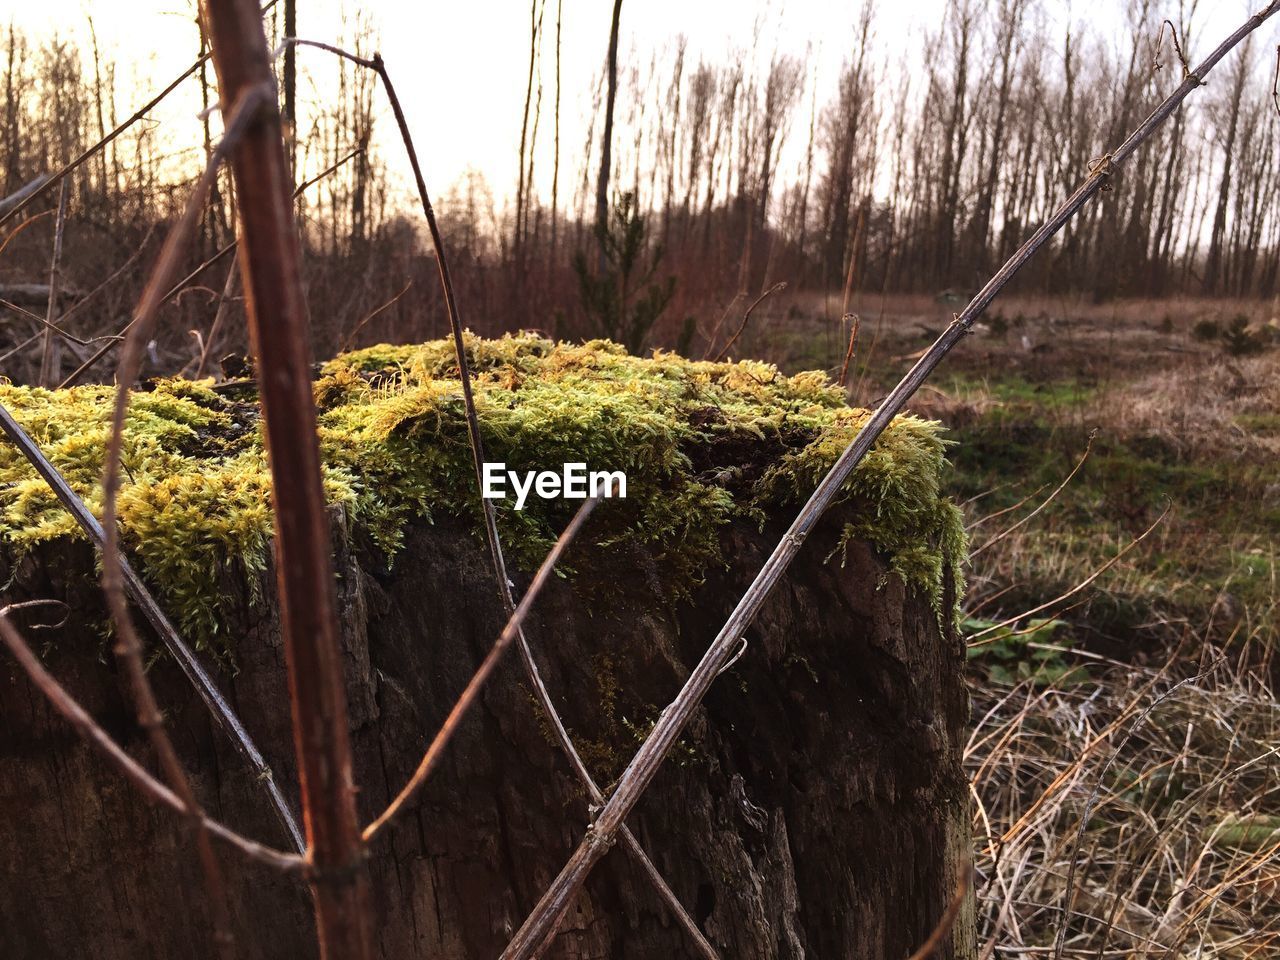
815,808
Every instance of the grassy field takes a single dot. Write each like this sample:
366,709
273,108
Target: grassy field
1171,411
1117,466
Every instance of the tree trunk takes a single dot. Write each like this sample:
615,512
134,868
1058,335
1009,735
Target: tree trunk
817,807
606,140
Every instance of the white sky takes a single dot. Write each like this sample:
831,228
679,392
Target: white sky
460,67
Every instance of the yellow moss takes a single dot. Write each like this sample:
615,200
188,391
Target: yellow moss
701,443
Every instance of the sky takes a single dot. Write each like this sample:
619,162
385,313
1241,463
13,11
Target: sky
461,67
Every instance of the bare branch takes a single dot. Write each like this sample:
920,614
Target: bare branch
270,263
746,317
1275,84
988,544
347,340
48,328
853,346
1177,46
48,373
219,315
482,674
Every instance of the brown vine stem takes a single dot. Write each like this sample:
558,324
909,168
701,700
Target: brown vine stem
1275,82
545,702
270,265
853,347
536,932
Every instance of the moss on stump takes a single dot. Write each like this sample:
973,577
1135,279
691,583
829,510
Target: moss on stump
701,443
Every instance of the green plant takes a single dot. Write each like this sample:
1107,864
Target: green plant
624,299
1239,341
1206,330
1012,655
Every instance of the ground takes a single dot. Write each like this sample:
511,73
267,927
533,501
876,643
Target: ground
1183,396
1122,753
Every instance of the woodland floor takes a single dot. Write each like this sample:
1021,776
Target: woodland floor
1142,703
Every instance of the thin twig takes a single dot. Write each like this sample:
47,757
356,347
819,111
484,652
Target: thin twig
300,188
49,328
1182,57
132,771
853,345
986,545
39,605
129,649
947,920
1012,508
346,341
542,923
1275,83
746,317
219,315
23,226
976,640
47,359
482,674
715,331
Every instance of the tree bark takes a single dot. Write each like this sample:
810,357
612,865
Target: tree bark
606,141
818,808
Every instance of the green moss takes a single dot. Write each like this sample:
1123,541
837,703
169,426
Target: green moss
701,443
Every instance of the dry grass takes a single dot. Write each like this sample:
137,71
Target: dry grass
1223,407
1179,782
